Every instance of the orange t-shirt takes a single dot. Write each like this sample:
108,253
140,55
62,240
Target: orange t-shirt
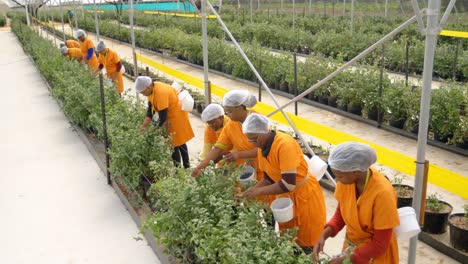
74,53
110,61
85,45
72,44
309,203
211,137
376,210
178,125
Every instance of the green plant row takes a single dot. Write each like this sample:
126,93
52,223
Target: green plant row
326,36
356,87
2,20
199,221
331,41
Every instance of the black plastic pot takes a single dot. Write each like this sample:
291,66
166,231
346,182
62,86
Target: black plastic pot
398,123
200,107
332,101
440,138
312,96
355,108
403,201
323,99
458,236
436,222
462,145
373,114
284,87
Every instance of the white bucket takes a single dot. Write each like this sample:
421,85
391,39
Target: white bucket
177,86
283,209
317,167
248,176
186,100
409,226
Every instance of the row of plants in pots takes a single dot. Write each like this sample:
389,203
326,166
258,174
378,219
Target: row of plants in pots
333,40
437,215
3,20
355,90
199,221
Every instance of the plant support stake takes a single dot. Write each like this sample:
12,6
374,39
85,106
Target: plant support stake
96,21
61,18
104,125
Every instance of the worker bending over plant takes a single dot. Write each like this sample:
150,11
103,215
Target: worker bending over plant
87,50
214,117
72,53
110,60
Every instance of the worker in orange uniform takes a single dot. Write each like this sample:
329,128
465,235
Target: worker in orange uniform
111,61
231,139
286,175
367,206
163,99
71,44
214,117
72,53
87,50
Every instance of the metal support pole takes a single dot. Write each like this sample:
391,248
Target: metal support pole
423,195
132,36
295,82
324,7
352,17
260,79
310,7
28,22
205,50
104,126
454,71
407,63
96,21
379,106
61,18
344,7
430,45
294,14
251,12
348,64
386,8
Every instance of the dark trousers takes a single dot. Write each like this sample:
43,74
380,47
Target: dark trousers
181,152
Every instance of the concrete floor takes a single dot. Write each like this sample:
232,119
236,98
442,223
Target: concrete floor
56,204
425,254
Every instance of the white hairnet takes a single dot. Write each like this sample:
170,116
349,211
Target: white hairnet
211,112
352,156
142,82
100,46
62,44
80,33
64,50
239,97
256,123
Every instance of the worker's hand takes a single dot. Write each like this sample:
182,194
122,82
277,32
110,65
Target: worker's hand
318,247
231,156
142,129
251,192
196,172
337,260
114,76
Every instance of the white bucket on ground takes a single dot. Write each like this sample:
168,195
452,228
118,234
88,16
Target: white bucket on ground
409,226
248,176
317,166
283,209
187,101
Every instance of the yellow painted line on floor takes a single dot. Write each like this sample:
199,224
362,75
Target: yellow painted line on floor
444,178
178,14
453,33
97,11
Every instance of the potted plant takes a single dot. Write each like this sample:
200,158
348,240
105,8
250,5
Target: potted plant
445,111
436,215
404,192
459,229
395,104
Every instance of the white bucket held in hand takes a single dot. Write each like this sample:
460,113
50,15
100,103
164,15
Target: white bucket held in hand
186,100
317,167
248,176
283,209
409,226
